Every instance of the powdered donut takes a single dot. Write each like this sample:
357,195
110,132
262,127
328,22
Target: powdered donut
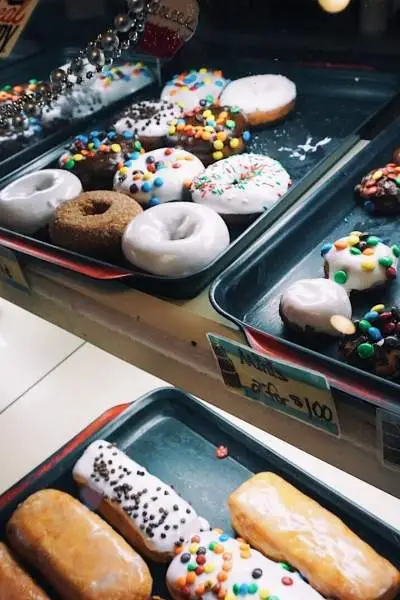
175,239
360,261
241,185
93,223
262,98
149,120
159,176
187,89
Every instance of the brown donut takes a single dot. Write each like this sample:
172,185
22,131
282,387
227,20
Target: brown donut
93,223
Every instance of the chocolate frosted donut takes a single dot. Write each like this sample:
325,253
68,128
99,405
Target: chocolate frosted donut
211,132
375,345
380,190
93,223
95,157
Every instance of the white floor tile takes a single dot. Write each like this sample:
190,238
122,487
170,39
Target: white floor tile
29,348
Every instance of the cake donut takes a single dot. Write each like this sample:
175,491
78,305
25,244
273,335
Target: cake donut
159,176
262,98
375,344
214,565
27,204
148,513
93,223
15,583
95,157
241,186
380,190
149,120
309,304
360,261
187,89
175,239
211,132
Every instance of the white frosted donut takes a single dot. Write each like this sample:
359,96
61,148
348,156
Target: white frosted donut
175,239
28,203
158,176
230,569
119,81
360,261
243,184
187,89
309,304
262,98
149,118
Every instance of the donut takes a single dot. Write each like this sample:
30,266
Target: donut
380,190
119,81
159,176
241,185
149,120
93,223
308,305
95,157
175,239
187,89
360,261
214,565
27,204
210,131
262,98
375,344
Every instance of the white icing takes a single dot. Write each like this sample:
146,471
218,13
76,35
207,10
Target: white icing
173,179
155,126
175,239
113,87
194,87
159,497
312,302
358,279
241,184
240,574
28,203
259,93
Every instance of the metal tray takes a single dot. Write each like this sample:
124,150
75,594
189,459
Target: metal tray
175,437
333,103
249,291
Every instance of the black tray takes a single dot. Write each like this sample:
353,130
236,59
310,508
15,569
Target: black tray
335,103
175,437
249,291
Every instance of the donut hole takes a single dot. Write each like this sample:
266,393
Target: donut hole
44,183
95,207
183,229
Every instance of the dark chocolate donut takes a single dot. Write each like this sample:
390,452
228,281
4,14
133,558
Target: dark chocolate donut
380,190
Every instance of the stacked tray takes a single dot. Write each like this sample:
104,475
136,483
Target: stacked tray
335,108
249,291
175,437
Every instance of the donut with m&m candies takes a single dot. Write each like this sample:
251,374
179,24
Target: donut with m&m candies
187,89
380,190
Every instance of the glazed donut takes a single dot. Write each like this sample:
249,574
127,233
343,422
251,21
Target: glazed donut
210,132
187,89
360,261
27,204
149,120
93,223
241,185
159,176
175,239
308,305
262,98
380,190
95,157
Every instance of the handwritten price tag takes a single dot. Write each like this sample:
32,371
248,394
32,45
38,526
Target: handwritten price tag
303,395
10,270
14,15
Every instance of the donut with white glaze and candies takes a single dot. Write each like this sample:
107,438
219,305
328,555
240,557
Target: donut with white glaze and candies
187,89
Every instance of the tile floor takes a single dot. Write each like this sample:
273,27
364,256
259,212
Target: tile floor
53,384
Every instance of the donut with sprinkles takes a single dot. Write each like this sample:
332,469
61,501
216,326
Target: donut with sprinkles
213,565
188,88
360,261
380,190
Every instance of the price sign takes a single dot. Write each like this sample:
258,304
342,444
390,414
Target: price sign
303,395
10,270
14,15
389,433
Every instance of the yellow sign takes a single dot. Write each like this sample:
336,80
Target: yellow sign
10,270
303,395
14,15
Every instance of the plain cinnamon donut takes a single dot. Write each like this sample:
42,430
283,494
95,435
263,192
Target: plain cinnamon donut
94,222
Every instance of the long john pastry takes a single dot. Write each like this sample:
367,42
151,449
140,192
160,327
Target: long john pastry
151,516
